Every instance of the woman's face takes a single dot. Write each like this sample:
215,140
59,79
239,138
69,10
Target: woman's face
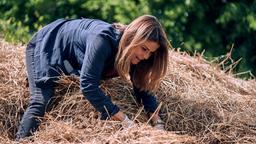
144,51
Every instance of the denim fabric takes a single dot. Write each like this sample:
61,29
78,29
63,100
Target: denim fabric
89,45
148,100
39,98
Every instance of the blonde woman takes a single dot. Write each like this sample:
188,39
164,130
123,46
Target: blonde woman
96,50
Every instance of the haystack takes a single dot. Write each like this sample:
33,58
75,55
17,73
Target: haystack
200,103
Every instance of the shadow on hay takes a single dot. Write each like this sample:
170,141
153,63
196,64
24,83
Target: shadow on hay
189,117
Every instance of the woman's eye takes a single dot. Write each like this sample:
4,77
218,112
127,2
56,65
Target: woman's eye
144,49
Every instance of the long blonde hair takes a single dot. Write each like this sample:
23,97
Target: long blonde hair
147,74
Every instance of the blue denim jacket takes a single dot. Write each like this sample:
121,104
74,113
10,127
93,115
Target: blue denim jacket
90,46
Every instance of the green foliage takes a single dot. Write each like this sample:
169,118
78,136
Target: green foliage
14,31
192,25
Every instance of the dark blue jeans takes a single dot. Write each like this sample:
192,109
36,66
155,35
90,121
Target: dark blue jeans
39,98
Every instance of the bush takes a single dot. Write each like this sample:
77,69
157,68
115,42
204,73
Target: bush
192,25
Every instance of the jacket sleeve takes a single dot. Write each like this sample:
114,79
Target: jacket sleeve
143,97
98,49
147,99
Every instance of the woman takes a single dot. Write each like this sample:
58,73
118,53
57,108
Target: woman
96,50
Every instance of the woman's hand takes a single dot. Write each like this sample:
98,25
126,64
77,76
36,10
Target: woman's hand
120,116
125,121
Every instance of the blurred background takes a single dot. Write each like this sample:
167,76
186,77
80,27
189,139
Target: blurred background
211,27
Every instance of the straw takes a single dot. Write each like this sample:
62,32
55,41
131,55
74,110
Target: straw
200,103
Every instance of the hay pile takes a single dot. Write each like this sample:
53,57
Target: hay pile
200,104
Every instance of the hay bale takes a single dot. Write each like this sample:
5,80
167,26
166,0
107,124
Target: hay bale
200,104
